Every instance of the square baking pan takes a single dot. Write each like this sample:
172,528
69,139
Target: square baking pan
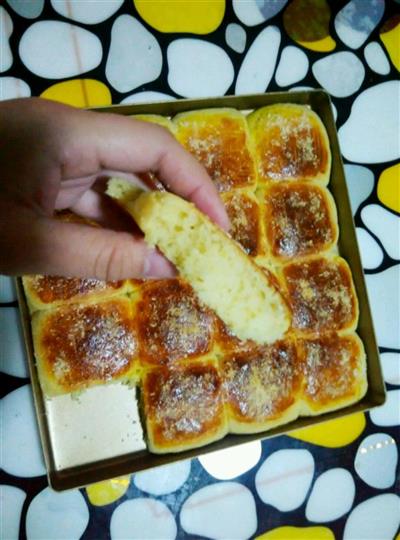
98,435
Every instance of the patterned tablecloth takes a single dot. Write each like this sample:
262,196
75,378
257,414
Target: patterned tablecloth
340,479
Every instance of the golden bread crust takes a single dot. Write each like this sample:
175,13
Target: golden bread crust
219,139
321,295
334,371
171,323
262,387
183,407
43,292
290,143
300,219
78,346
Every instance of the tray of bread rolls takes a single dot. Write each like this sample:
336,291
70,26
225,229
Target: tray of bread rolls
138,373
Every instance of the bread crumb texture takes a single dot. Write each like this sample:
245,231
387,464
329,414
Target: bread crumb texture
219,271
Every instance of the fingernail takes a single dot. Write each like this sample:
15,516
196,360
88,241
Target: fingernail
157,266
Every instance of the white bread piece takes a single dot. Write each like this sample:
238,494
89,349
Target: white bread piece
221,274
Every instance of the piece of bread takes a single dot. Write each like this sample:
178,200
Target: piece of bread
225,341
262,387
290,143
172,326
183,407
334,370
243,211
300,219
219,271
81,345
321,295
219,139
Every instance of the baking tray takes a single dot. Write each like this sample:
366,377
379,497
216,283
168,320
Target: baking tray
80,447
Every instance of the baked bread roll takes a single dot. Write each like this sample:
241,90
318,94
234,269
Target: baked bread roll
299,218
334,370
78,346
321,295
219,139
183,407
290,143
219,271
171,323
262,387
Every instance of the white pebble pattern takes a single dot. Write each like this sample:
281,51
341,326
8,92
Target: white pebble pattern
232,462
223,510
21,453
331,497
258,66
59,516
373,519
163,480
198,68
135,56
140,519
376,460
285,477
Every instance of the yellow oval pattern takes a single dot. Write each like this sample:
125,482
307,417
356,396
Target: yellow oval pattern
334,433
389,187
79,93
298,533
321,45
390,35
196,17
109,491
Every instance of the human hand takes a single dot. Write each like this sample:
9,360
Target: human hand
51,158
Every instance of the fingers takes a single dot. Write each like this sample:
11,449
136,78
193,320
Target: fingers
72,190
184,175
89,142
133,146
48,246
63,146
77,250
61,143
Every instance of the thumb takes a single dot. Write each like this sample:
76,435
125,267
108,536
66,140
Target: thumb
77,250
